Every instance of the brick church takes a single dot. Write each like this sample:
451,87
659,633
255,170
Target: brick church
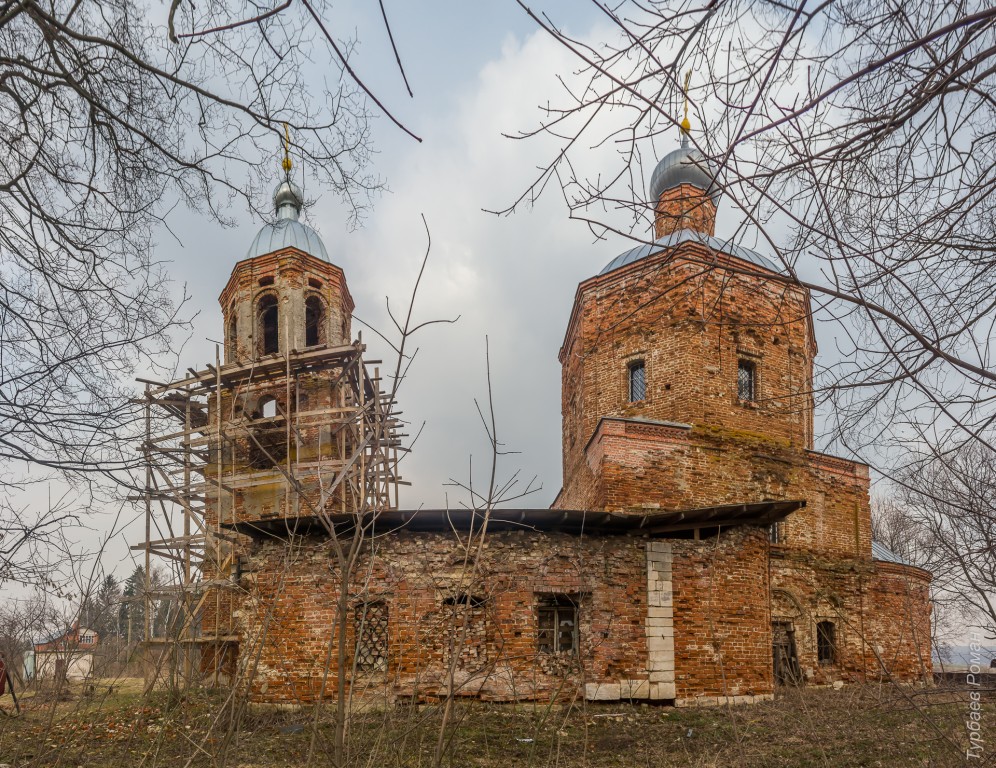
700,550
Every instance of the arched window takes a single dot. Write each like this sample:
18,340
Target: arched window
314,321
269,327
233,335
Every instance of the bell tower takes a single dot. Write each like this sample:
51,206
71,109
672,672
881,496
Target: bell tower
289,433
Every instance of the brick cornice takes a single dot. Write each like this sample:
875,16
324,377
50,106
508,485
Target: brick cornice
294,257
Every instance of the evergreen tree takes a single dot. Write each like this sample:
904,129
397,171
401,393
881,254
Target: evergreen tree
133,607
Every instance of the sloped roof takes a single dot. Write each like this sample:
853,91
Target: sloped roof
689,236
883,553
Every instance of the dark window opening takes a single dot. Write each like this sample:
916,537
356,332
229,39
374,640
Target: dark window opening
370,621
747,380
233,336
314,322
463,599
314,282
558,625
266,280
826,642
637,381
269,327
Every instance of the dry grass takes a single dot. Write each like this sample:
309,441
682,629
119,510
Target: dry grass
857,726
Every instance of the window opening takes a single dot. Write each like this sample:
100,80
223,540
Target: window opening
747,380
266,443
637,381
371,625
268,407
269,325
558,625
463,599
826,642
314,321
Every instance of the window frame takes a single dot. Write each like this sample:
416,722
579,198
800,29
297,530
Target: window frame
826,643
548,640
747,364
272,303
632,366
371,635
314,300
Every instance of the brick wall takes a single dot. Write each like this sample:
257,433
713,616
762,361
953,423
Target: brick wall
722,634
294,593
880,612
689,323
685,207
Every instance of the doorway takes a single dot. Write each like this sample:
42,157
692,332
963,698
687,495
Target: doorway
786,662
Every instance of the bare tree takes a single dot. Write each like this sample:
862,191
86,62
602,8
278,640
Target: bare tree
945,517
855,143
109,119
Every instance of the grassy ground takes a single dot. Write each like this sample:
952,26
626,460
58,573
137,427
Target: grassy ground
857,726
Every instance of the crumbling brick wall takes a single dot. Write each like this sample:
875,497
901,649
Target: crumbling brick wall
689,322
420,576
722,634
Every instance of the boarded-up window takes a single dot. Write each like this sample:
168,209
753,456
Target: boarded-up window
557,631
826,642
370,622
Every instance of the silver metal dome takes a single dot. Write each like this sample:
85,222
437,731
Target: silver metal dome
287,231
685,165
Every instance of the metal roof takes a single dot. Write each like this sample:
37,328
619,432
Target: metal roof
287,233
688,236
882,552
685,165
655,524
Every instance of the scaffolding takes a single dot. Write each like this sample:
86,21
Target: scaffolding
311,433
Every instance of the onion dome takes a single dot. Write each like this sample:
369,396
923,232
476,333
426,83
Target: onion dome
685,165
287,231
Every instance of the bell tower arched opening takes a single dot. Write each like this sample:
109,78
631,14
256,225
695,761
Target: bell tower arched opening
314,321
268,324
